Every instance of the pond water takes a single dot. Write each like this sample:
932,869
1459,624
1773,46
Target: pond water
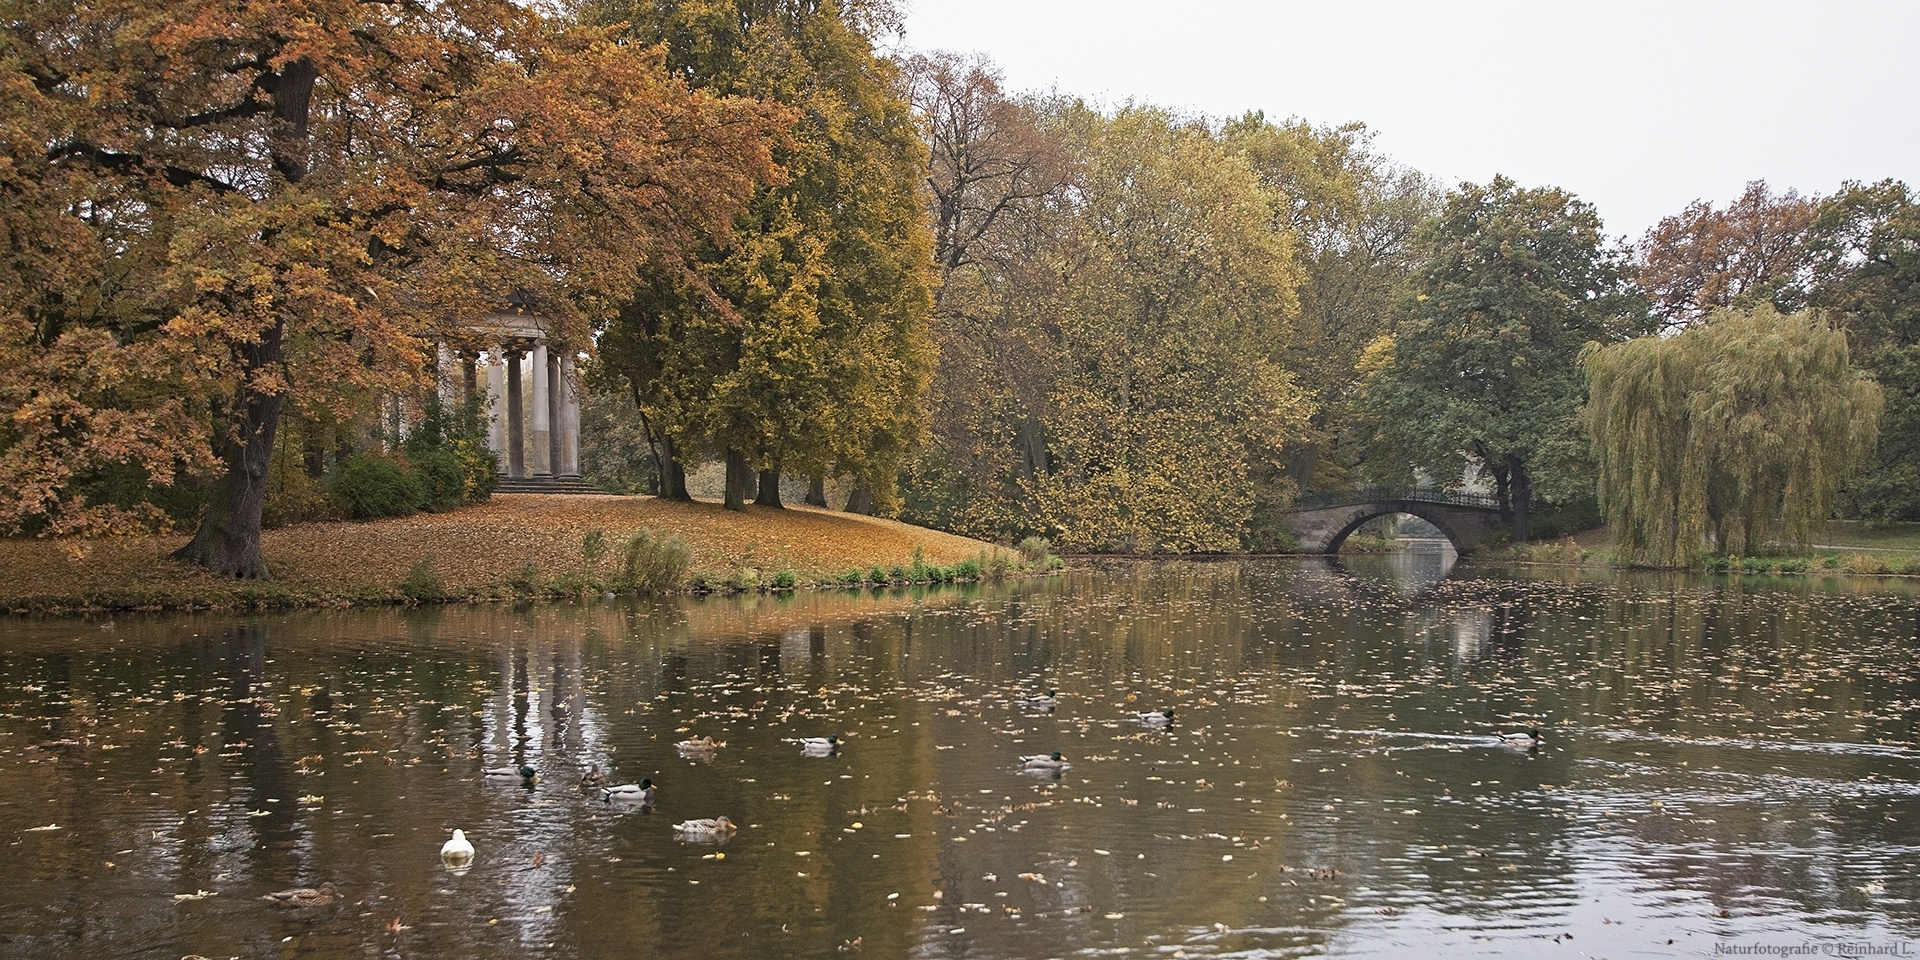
1726,764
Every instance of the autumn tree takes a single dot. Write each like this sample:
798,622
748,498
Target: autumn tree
1731,437
1481,371
994,173
1703,259
815,359
1865,248
1128,329
1353,214
215,211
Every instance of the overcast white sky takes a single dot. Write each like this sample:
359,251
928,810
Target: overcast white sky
1636,106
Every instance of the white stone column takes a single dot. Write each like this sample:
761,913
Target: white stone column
542,439
556,399
446,375
496,408
569,419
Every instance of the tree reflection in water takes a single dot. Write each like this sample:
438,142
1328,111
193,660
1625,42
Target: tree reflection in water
1330,785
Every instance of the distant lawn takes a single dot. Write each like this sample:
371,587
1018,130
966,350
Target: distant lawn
1855,534
1833,536
1848,546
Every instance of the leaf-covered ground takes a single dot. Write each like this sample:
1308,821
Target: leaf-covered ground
483,550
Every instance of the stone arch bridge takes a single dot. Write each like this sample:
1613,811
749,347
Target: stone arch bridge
1322,521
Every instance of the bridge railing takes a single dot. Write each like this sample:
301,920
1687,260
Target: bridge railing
1340,498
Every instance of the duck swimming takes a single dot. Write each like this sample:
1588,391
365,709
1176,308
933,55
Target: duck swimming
1042,761
522,773
306,896
1156,718
1045,701
700,745
593,777
819,746
641,793
457,851
718,827
1523,741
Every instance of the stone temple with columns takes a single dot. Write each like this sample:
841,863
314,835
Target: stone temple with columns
532,403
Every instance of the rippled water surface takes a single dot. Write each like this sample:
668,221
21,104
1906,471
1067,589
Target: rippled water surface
1725,764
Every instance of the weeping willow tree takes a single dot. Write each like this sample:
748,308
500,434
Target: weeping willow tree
1731,437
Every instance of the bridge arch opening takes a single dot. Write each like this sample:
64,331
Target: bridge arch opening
1411,530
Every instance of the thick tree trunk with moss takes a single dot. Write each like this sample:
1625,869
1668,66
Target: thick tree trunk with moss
673,473
228,541
1522,493
769,495
739,479
861,499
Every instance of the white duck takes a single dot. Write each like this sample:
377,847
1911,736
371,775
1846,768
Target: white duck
457,851
1156,718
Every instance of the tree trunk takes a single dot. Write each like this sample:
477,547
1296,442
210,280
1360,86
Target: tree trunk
228,542
1522,493
861,499
673,483
769,490
816,492
314,452
739,476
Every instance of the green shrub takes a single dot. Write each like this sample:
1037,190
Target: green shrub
654,563
593,546
526,579
443,484
1035,549
576,582
292,495
898,573
422,582
1830,563
479,470
1797,565
998,566
369,486
784,580
918,570
1755,564
852,577
968,569
1055,563
877,575
747,579
1865,563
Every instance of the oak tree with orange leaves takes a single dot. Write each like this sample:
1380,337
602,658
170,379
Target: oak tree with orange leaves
213,209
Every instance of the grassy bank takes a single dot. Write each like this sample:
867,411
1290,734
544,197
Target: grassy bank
514,545
1840,546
